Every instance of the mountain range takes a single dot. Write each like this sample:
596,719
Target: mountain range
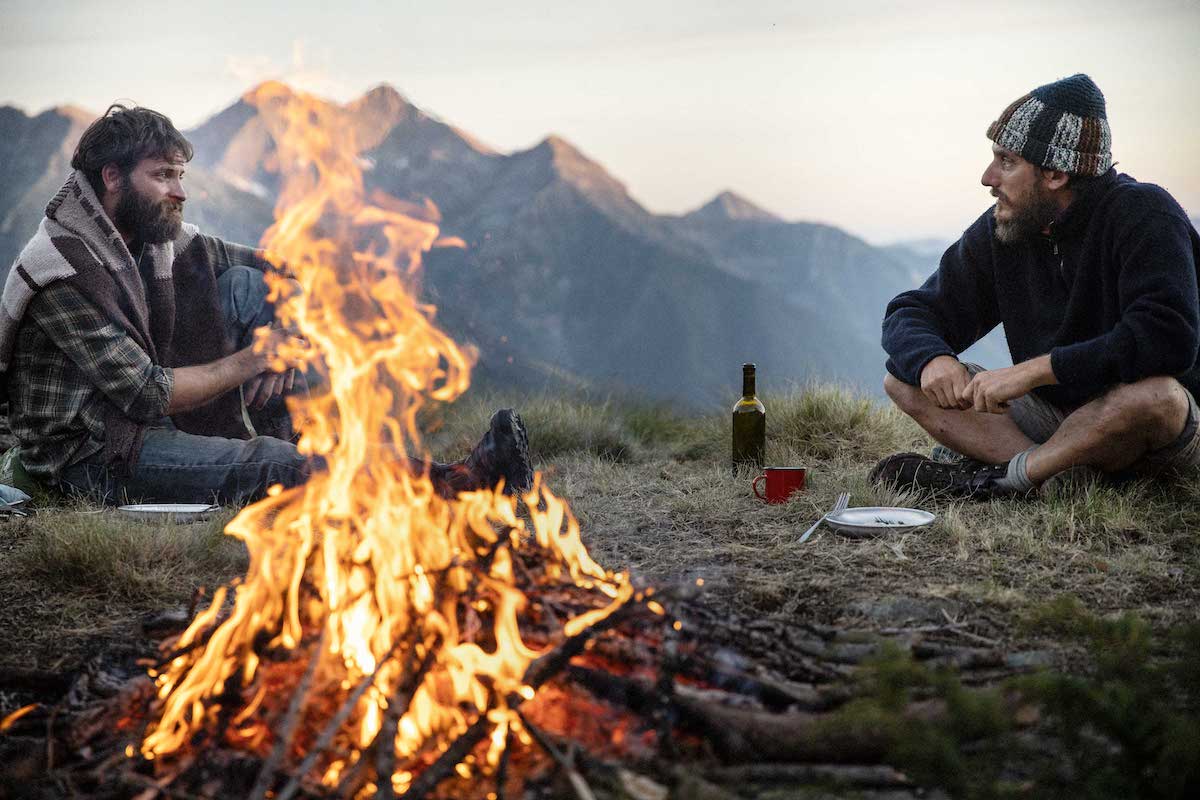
565,280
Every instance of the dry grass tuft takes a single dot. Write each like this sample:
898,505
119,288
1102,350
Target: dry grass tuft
826,423
72,578
94,552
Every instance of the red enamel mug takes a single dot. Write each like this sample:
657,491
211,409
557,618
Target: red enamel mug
781,482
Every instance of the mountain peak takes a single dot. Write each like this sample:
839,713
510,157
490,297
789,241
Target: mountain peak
384,91
566,157
556,159
729,205
268,87
377,112
382,99
560,147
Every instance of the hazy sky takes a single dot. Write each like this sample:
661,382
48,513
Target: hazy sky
866,115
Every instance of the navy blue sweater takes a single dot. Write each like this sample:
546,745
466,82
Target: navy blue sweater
1111,294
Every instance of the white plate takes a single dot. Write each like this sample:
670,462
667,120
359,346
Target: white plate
183,512
874,520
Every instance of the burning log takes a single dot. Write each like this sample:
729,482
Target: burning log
327,733
385,764
502,768
538,672
441,769
565,762
267,774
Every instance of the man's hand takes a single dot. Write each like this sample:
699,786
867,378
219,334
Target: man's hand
261,388
272,347
277,350
271,357
943,381
992,390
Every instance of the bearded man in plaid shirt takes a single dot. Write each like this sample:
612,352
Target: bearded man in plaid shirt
126,343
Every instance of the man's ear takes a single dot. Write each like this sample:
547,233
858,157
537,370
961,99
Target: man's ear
1054,179
111,175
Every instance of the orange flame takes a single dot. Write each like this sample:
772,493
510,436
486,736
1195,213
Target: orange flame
367,554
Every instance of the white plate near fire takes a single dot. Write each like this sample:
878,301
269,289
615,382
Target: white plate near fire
877,520
176,512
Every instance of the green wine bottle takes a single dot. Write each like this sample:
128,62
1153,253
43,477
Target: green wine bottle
749,425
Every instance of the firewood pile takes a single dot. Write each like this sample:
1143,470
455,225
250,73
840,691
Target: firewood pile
667,697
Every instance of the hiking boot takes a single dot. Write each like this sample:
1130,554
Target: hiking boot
965,478
503,452
944,455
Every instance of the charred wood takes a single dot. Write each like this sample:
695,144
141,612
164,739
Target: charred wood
329,731
565,761
538,672
873,776
774,692
743,735
385,741
443,767
34,681
502,768
266,776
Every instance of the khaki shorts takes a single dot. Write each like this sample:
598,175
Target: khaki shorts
1039,419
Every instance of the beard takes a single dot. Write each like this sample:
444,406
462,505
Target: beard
1027,220
147,220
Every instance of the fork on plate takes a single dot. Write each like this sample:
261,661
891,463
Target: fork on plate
841,504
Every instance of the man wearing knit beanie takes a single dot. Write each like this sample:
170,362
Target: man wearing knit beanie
1094,277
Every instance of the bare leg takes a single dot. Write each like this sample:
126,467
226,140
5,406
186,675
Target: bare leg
1115,430
991,438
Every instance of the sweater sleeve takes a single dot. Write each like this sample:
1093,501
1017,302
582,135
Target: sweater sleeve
1158,332
224,255
953,309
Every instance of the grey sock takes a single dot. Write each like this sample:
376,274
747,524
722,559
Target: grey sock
1017,477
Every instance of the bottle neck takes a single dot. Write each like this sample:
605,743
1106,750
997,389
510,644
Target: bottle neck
748,384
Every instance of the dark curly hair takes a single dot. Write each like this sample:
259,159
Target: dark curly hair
124,136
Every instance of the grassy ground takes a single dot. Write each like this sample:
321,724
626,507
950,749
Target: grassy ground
654,493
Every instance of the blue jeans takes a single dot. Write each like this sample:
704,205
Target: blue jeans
178,467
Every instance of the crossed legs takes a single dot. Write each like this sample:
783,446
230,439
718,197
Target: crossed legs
1111,433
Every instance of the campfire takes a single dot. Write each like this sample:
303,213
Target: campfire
376,619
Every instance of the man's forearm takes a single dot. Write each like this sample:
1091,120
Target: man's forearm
1039,371
195,386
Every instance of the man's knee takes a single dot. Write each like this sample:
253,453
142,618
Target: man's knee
1156,407
909,398
268,461
244,291
243,294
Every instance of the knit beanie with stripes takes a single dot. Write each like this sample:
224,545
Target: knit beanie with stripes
1061,125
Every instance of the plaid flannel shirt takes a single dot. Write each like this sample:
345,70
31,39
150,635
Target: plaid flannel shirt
68,356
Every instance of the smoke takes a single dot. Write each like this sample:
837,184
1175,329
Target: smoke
305,69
